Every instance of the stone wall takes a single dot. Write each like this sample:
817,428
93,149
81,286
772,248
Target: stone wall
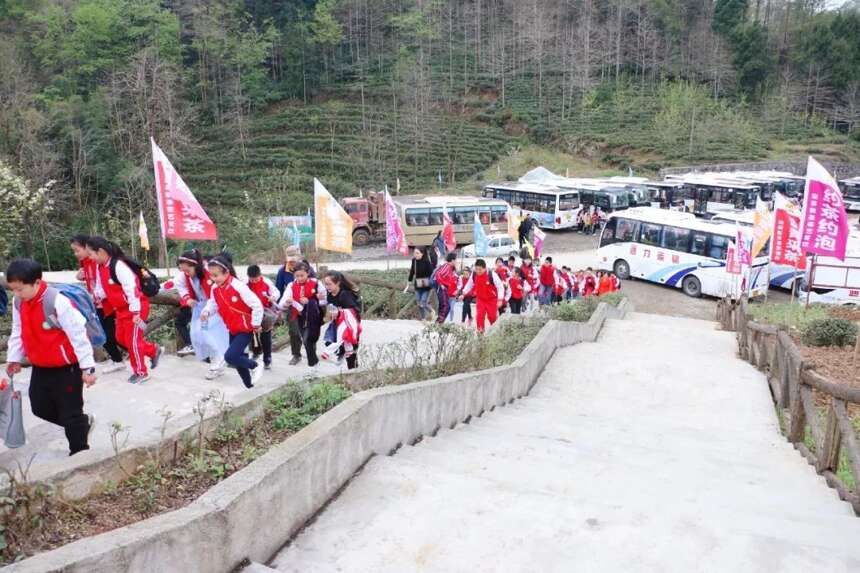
252,513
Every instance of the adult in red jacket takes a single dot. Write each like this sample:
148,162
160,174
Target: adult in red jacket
88,274
119,286
58,348
489,294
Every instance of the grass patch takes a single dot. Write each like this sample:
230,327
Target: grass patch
34,519
792,316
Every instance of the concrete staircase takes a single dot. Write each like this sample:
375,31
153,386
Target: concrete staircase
655,449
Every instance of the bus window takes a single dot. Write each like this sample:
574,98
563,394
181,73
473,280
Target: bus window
418,217
464,215
436,216
717,247
602,201
676,239
499,214
699,244
568,202
650,234
490,192
626,230
607,237
740,199
484,216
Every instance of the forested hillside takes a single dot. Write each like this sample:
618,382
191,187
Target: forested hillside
253,98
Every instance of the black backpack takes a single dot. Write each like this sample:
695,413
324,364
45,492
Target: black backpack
149,284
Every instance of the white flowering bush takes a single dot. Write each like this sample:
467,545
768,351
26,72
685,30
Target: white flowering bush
21,206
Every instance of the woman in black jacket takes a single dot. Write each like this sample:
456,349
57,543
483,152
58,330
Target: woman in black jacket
419,278
344,304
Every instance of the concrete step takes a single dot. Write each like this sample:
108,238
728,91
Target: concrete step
399,517
603,476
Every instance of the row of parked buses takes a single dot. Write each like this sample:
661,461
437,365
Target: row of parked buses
672,232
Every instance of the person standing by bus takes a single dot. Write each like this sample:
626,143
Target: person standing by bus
524,229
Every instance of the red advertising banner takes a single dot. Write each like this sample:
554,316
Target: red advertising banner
181,215
733,265
785,242
825,223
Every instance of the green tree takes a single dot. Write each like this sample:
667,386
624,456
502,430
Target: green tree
728,15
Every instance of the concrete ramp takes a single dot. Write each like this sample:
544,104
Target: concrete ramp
654,449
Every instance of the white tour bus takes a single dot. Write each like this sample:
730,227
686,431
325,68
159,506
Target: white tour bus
781,276
835,281
851,193
676,249
552,207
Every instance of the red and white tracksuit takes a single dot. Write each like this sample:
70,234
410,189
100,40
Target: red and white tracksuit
489,293
49,347
126,299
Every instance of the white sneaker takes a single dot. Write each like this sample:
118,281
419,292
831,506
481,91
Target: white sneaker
214,373
113,367
186,351
256,374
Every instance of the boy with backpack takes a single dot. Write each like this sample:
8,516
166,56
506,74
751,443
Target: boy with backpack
56,343
489,292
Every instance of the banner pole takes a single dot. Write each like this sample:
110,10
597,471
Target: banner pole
811,279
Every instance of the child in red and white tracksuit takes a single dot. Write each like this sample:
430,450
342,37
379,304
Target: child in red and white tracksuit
268,294
517,285
242,313
131,307
489,294
305,298
531,280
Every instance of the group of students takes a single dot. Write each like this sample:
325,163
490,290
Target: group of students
589,221
220,317
505,287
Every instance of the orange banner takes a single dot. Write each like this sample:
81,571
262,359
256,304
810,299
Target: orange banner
332,225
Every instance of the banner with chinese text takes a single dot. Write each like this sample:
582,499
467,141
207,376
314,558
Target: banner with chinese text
824,230
181,215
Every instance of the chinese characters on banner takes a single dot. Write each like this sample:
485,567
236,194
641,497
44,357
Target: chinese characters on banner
785,245
825,224
742,246
333,230
181,215
733,264
395,240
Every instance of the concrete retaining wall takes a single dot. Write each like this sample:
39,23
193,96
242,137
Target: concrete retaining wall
251,514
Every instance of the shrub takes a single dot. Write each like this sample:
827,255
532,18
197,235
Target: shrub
612,298
292,420
829,332
577,311
323,397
